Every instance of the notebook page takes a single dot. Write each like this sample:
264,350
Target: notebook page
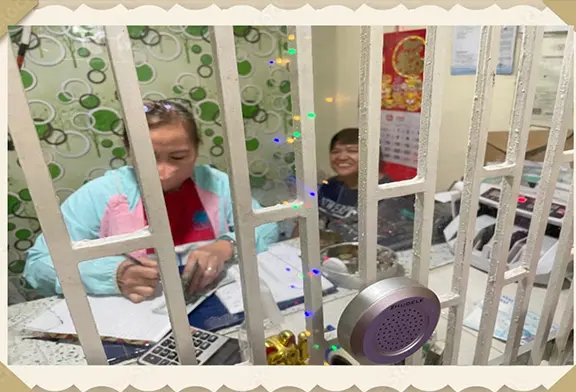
281,275
115,317
281,269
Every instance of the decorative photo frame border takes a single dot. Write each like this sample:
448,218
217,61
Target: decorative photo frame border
289,12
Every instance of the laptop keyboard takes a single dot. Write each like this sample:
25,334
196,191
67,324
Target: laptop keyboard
165,353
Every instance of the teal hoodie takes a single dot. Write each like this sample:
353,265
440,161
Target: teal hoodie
111,205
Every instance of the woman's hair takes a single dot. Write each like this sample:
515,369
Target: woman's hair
345,136
168,112
348,136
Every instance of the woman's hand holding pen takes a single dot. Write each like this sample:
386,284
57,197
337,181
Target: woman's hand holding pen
205,264
137,278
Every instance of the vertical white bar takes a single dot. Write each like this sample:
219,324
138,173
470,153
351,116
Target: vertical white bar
555,284
302,96
517,142
561,121
485,78
371,39
31,159
124,72
435,66
560,349
224,49
429,138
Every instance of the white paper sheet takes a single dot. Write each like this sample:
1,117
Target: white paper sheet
280,268
115,317
503,321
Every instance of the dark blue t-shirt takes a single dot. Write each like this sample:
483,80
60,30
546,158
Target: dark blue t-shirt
337,201
338,207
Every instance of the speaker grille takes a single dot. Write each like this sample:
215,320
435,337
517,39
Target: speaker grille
400,329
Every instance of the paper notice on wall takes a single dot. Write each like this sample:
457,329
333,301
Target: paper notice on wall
399,132
548,78
466,47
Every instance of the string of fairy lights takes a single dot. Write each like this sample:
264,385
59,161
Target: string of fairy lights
296,135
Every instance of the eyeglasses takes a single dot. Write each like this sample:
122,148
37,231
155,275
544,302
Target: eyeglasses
165,105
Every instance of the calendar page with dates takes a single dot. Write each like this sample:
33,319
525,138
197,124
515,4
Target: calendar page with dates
402,73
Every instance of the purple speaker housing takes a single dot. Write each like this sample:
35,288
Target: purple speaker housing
388,321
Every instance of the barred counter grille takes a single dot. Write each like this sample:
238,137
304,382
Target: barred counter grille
67,255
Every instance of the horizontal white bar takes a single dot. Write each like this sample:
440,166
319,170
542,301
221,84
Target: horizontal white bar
401,188
448,300
112,246
515,275
568,156
279,213
498,170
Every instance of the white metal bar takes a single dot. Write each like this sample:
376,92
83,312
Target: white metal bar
302,95
116,245
510,186
226,72
448,300
401,188
277,213
499,170
482,104
29,152
515,275
142,151
372,39
561,121
560,349
568,156
555,283
435,67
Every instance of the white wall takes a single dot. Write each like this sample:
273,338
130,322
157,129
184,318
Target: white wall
336,63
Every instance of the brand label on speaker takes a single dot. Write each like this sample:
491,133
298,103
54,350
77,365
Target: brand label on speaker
407,303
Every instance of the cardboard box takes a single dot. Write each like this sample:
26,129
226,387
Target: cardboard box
535,150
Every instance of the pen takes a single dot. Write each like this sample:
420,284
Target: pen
185,279
132,259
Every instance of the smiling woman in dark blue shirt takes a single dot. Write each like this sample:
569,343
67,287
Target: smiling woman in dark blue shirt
338,196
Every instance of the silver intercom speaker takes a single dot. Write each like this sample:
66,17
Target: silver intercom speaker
388,321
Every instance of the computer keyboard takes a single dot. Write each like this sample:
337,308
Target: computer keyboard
211,349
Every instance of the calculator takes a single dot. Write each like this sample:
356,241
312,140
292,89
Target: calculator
211,349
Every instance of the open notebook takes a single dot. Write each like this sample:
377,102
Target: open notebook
117,317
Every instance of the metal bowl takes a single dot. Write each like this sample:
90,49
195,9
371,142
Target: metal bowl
386,267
